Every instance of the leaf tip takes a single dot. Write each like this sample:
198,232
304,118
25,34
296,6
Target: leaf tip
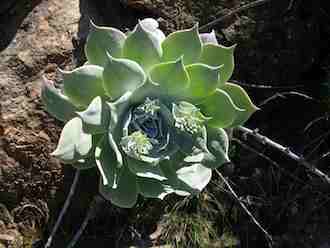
92,23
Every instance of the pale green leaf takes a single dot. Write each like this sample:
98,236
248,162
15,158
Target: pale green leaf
184,43
103,40
153,188
121,76
170,168
215,55
218,145
83,84
119,157
106,163
242,100
196,176
96,117
57,104
74,143
152,25
126,192
146,170
220,108
204,80
172,77
143,46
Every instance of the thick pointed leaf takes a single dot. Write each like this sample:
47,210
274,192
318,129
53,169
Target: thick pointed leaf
105,159
125,195
204,80
153,188
146,170
200,153
184,43
170,168
57,104
74,143
103,40
209,38
221,108
216,153
241,100
96,117
195,176
113,145
143,46
172,77
173,181
83,84
122,75
152,25
216,55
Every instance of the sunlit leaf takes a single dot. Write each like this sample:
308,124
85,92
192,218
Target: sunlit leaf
83,84
122,75
220,108
143,46
103,40
57,104
74,143
184,43
172,77
216,55
241,100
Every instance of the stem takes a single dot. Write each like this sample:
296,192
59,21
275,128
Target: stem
233,12
269,238
64,208
285,150
91,212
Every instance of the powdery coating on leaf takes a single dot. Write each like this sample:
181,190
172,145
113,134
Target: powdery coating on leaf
151,111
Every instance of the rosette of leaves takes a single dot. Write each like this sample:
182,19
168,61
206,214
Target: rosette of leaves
148,111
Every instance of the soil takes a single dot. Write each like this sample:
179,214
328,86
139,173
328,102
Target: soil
282,47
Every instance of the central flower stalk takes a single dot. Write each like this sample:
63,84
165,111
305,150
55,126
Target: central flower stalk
136,144
188,118
147,134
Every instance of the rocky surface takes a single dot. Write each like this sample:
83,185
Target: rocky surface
29,177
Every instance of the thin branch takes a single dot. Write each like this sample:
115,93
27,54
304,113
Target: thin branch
264,86
268,236
91,212
233,12
64,208
313,122
262,155
284,94
325,155
285,150
318,139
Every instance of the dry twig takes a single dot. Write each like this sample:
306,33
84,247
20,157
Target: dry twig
267,235
91,212
285,150
64,209
233,12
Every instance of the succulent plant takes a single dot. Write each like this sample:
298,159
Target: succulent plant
148,111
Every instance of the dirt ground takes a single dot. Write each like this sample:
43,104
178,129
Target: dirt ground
282,47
